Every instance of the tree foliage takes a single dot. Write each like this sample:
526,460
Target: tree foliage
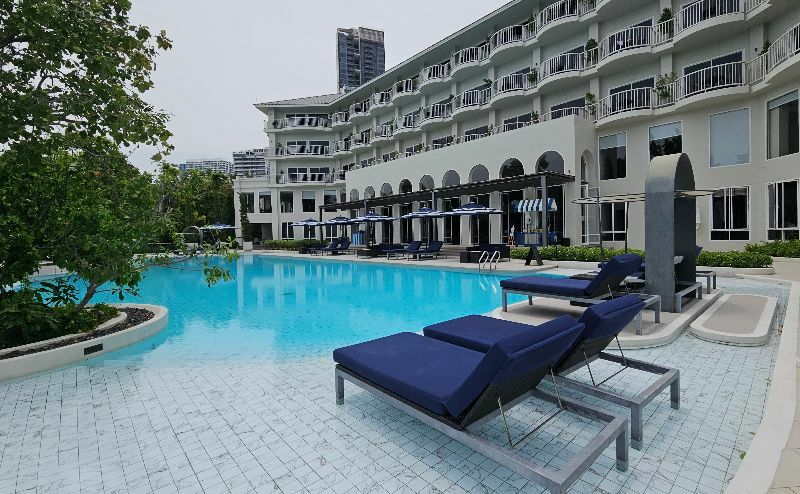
194,197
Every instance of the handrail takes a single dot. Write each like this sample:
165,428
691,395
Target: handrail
786,46
629,100
438,110
512,82
360,108
482,259
626,39
406,86
711,78
578,111
303,150
301,122
435,72
564,62
473,97
342,146
564,8
507,35
410,121
472,54
384,131
757,68
383,97
341,117
703,10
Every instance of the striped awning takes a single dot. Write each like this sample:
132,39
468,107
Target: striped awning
535,205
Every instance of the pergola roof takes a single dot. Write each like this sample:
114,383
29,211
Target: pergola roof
638,197
485,187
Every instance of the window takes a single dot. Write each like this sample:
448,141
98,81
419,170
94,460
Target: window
343,195
309,201
309,232
265,202
406,228
442,142
730,138
782,217
613,156
632,96
409,151
287,231
476,133
730,214
783,126
287,202
329,197
666,139
248,201
574,107
612,221
720,72
295,147
516,122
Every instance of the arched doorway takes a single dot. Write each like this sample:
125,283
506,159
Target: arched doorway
552,161
479,173
512,221
451,178
479,225
451,232
405,186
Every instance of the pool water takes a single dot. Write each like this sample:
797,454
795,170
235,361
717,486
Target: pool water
279,308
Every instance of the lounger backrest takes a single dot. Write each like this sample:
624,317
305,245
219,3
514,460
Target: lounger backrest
414,245
435,246
613,273
515,356
333,244
344,245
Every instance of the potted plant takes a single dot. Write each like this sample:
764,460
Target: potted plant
535,116
591,51
664,85
666,16
591,103
533,76
488,82
247,228
765,46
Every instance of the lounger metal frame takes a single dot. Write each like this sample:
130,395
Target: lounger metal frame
556,481
668,377
653,301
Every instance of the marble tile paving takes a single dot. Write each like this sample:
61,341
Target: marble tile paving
274,427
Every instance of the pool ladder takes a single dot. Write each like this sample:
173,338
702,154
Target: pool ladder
488,260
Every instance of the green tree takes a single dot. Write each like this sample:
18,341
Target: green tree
247,228
194,197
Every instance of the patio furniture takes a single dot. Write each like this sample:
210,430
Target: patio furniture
377,250
451,388
330,248
603,323
343,248
413,246
433,250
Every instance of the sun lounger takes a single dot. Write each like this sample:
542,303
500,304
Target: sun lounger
603,323
452,389
433,250
343,248
413,246
331,247
592,291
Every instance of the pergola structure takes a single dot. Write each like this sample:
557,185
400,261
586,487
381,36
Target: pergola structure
541,180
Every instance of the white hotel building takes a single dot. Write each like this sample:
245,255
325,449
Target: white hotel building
590,89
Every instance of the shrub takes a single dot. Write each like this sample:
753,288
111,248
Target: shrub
776,248
289,244
731,259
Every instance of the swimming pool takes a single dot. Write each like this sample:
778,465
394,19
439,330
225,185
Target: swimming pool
281,308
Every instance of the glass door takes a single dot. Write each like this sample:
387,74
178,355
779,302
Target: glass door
480,222
452,224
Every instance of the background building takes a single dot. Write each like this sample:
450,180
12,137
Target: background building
250,163
590,90
361,56
216,165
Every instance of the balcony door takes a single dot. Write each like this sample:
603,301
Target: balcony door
625,97
719,72
480,223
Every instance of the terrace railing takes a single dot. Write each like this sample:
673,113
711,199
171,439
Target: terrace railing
302,122
435,72
383,97
565,62
474,97
784,47
703,10
564,8
626,39
624,101
508,35
578,111
512,82
710,79
471,54
439,110
406,87
341,117
385,131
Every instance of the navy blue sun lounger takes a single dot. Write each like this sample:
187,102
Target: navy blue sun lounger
434,249
451,388
343,248
331,247
414,245
602,325
596,290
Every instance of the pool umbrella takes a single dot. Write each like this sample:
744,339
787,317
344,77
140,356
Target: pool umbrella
309,223
474,209
428,213
370,219
340,221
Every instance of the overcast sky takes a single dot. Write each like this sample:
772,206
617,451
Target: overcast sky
229,55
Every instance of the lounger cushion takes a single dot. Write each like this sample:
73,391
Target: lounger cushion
423,370
541,284
618,268
477,333
609,318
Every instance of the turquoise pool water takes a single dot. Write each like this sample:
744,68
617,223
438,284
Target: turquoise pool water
278,308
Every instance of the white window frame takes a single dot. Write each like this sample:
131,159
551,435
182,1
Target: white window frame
796,91
749,137
613,231
597,165
711,228
647,148
287,224
768,212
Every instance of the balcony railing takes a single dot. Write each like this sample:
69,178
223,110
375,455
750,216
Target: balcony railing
474,97
303,150
710,79
564,8
341,146
472,54
362,140
508,35
435,72
437,111
624,101
407,122
784,47
385,131
302,122
578,111
360,109
382,98
626,39
513,82
341,117
565,62
407,86
307,178
703,10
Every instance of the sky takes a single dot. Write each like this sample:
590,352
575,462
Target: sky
228,55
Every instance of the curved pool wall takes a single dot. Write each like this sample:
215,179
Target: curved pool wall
279,308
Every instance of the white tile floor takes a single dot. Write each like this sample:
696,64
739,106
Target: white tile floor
274,427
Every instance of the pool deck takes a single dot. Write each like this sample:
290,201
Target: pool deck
274,427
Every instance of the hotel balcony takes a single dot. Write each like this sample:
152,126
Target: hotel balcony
342,148
433,74
407,125
309,178
362,141
406,90
359,112
705,20
560,14
299,123
383,133
468,61
297,152
512,89
781,61
627,46
340,119
470,101
435,115
504,43
381,102
626,105
565,66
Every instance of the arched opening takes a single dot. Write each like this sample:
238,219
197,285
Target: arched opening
369,193
550,161
451,178
590,213
386,190
354,195
427,183
405,186
479,173
511,168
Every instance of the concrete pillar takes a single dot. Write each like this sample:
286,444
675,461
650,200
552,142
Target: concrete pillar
495,221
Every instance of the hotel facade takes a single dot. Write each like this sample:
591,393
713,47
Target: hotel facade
588,90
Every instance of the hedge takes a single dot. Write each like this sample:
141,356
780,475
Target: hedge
777,248
289,244
731,259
